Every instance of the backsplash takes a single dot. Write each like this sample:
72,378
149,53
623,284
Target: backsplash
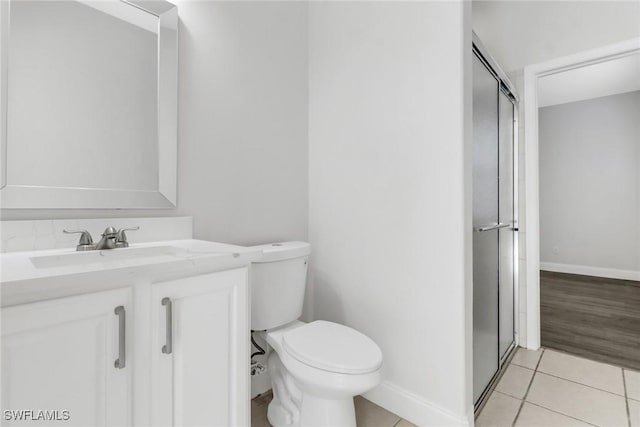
18,236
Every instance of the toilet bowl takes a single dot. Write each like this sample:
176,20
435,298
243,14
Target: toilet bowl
316,368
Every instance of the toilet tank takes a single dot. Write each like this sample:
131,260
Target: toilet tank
278,283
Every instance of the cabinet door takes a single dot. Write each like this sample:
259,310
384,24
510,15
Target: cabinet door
200,350
59,355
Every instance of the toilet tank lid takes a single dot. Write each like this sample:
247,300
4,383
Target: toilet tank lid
280,251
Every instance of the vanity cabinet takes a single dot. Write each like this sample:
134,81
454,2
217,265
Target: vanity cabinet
200,350
61,355
160,353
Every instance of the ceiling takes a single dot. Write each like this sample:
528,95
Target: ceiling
593,81
523,32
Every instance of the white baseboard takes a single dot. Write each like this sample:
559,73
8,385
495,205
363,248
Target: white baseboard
414,408
591,271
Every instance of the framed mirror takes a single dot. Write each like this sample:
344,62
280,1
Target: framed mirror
88,104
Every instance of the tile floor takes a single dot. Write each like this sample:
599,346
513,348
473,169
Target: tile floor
547,388
367,414
543,388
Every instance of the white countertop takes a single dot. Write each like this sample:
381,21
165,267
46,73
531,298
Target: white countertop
35,275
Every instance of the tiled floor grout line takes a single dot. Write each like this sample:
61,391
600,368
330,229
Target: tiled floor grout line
524,398
585,385
626,397
576,382
562,413
523,366
549,409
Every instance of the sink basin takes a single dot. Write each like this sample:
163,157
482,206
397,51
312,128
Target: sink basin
92,257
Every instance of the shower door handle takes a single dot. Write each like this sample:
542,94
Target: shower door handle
497,226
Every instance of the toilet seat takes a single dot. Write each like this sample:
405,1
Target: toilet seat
332,347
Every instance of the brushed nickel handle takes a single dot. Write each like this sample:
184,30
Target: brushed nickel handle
120,362
121,236
168,347
491,227
85,243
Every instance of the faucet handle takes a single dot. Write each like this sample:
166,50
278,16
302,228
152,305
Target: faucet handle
85,242
121,237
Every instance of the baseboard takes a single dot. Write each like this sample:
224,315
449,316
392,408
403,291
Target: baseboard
414,408
610,273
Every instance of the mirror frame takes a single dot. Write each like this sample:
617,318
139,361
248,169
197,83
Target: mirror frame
43,197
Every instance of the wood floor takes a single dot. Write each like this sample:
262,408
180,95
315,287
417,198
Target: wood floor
593,317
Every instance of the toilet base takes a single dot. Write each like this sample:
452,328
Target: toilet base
323,412
292,407
315,412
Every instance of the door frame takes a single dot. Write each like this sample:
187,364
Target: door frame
532,201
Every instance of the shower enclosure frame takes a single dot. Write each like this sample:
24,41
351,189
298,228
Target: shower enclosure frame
508,89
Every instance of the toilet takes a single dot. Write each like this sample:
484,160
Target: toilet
316,368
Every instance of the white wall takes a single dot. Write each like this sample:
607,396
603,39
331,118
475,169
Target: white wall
389,199
243,120
242,143
590,183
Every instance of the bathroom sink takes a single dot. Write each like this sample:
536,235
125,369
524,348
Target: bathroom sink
92,257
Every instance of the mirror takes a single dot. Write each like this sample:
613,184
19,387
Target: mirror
89,104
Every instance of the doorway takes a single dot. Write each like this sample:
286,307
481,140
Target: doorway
532,76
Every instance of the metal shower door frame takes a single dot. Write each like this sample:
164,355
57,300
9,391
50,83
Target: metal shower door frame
507,88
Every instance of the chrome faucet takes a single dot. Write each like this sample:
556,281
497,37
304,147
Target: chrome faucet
108,240
111,239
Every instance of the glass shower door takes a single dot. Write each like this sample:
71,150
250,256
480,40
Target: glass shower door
485,221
